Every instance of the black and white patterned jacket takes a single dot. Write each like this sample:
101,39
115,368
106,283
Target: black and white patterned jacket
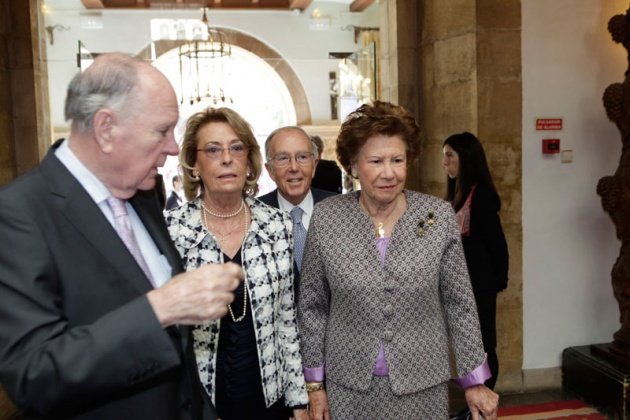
267,259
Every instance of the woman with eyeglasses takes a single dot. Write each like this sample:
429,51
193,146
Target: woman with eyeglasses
384,290
248,361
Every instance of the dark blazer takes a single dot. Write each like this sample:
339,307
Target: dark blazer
272,197
173,201
486,248
272,200
327,176
78,337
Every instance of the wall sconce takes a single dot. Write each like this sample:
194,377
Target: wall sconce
51,29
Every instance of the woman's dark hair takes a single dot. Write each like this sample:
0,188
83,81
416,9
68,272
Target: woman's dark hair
473,168
379,118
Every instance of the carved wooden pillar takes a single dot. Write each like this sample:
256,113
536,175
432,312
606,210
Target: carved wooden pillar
615,195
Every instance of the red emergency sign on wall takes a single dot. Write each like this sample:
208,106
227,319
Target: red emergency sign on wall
548,124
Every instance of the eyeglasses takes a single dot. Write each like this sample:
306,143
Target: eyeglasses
212,151
302,159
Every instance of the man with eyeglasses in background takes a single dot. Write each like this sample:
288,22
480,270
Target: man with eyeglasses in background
291,161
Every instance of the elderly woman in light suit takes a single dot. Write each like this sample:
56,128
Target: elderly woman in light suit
384,286
249,361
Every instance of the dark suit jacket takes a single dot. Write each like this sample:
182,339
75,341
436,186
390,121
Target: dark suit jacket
272,200
172,202
486,248
272,197
78,337
327,176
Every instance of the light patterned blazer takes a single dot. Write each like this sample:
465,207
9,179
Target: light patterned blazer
268,264
349,302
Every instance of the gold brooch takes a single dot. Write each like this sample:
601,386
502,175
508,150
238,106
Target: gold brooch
424,225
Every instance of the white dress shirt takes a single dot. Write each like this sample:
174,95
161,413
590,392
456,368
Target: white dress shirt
157,263
306,205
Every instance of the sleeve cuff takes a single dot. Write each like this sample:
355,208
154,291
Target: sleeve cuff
477,377
315,374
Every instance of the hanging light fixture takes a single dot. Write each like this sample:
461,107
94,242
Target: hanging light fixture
203,66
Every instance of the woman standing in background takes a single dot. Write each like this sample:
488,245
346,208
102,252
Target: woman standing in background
476,202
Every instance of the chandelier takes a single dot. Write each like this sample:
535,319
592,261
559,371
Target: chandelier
203,67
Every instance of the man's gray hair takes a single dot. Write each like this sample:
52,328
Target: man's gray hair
107,85
288,127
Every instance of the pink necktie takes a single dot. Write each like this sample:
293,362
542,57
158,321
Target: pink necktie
123,228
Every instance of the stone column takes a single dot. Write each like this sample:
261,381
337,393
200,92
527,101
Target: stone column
456,64
25,130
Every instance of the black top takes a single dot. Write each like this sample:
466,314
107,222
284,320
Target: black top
327,176
486,248
238,371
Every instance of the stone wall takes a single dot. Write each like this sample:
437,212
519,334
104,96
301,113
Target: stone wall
7,152
25,130
456,65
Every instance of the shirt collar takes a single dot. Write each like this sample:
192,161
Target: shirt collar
94,187
306,205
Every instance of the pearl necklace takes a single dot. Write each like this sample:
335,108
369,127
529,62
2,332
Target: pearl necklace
246,291
224,216
223,237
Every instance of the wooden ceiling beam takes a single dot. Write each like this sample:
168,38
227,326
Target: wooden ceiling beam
174,4
123,4
225,4
299,4
93,4
360,5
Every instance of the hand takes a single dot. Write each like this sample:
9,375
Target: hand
318,405
482,399
301,414
197,296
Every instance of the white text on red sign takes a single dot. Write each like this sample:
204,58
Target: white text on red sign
548,124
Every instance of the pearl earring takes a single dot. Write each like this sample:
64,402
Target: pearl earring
196,177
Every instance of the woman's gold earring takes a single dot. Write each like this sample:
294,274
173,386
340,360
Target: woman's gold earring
196,177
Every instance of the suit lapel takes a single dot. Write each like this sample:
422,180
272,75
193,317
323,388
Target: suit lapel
147,207
271,199
81,212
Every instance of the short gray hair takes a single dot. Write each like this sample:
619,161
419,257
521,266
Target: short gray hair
107,83
288,127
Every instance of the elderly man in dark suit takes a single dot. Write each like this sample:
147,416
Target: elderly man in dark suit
93,308
292,158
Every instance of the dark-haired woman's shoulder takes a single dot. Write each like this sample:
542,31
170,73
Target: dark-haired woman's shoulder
486,198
